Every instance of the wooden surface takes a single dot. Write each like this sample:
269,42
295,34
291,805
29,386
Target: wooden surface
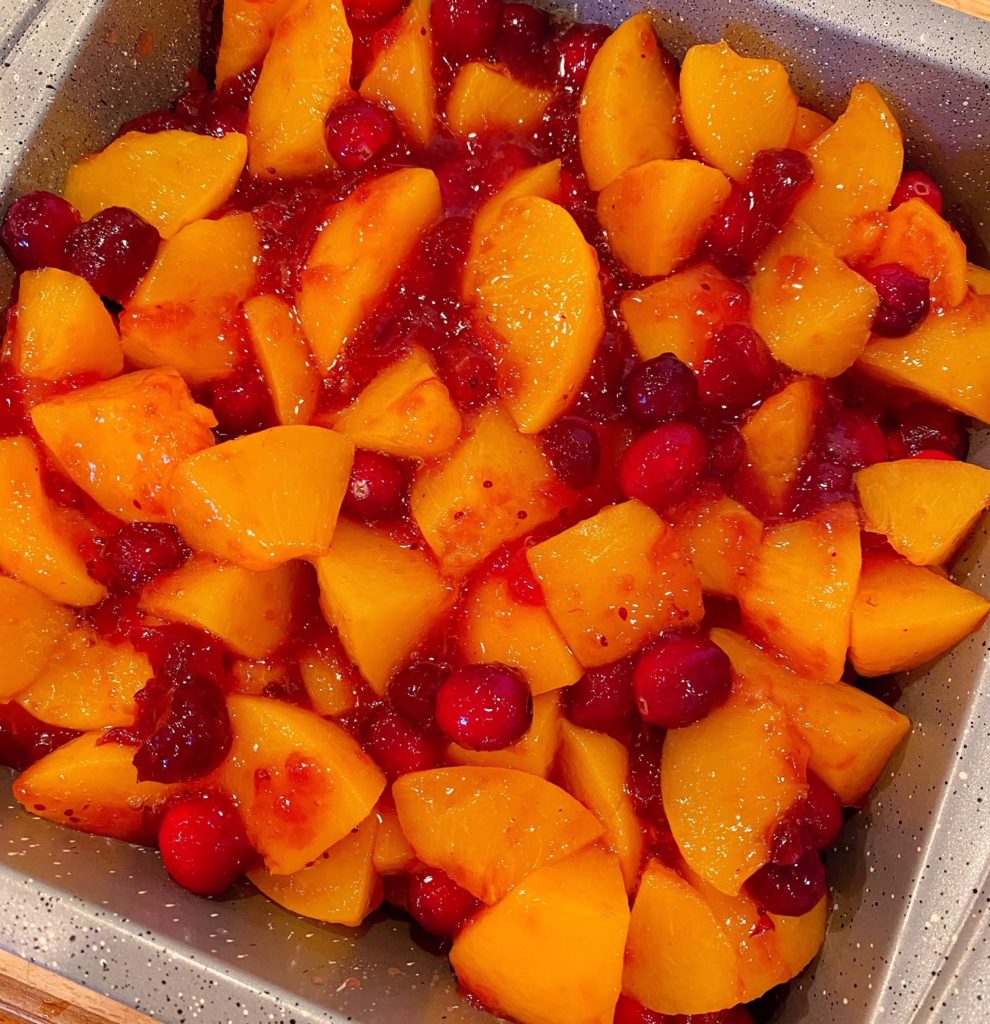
978,8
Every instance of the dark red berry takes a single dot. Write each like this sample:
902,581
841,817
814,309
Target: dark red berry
904,299
822,483
36,229
662,466
522,36
397,745
917,185
179,652
413,691
680,680
576,49
855,440
789,889
468,371
778,177
242,403
140,552
645,759
820,812
573,449
357,131
25,739
372,12
112,250
377,487
485,707
925,427
738,369
603,699
464,28
438,903
934,454
662,389
204,845
726,450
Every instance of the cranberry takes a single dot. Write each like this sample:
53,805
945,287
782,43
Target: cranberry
904,299
821,813
242,403
36,229
823,483
576,49
680,680
485,707
179,652
464,28
112,250
204,845
726,450
140,552
789,889
662,466
602,398
413,691
628,1011
855,440
373,12
438,903
357,131
13,412
377,487
662,389
917,185
645,759
602,699
778,177
925,427
522,36
397,745
737,371
573,449
932,453
468,371
25,739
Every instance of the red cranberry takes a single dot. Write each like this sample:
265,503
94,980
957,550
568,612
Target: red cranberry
855,440
602,398
469,372
179,652
602,699
823,483
663,465
464,28
573,449
204,845
438,903
662,389
36,229
726,450
485,707
680,680
25,739
112,250
377,487
242,403
576,49
140,552
778,177
917,185
357,131
522,36
413,692
925,427
397,745
932,453
645,759
373,12
737,371
821,813
789,889
904,299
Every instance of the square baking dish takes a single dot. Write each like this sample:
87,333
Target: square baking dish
907,941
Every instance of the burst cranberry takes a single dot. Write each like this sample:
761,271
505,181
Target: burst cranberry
112,250
377,487
464,28
645,759
522,36
397,745
602,398
468,371
917,185
576,49
36,229
821,813
179,652
823,483
778,177
855,440
925,427
738,370
726,450
242,403
662,466
204,845
413,692
789,889
904,299
373,12
485,707
438,903
662,389
680,680
357,131
602,699
572,447
140,552
25,739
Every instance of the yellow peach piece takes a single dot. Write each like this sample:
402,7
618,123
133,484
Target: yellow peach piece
31,628
330,680
809,125
978,279
543,180
485,98
255,677
248,27
393,854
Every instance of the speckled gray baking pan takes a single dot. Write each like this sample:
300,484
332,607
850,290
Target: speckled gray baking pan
908,936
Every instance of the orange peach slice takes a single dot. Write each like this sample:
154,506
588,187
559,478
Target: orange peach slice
978,279
254,677
393,854
485,98
31,628
542,180
248,27
330,680
809,126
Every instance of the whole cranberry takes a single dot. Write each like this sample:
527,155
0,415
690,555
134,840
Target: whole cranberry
823,483
112,251
855,440
464,28
242,403
662,389
603,699
377,487
726,450
372,12
485,707
468,371
522,36
413,691
790,889
820,812
573,449
926,427
397,745
36,230
662,466
738,369
904,299
680,680
917,185
357,131
778,177
438,903
141,552
204,845
576,49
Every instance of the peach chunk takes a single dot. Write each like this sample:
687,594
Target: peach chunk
857,164
735,106
946,358
547,314
489,828
924,507
60,327
33,546
252,612
543,180
905,615
594,767
264,498
814,313
31,627
382,598
809,125
284,358
615,581
330,679
406,410
493,487
628,113
87,683
339,887
680,313
401,72
392,855
301,782
92,786
364,241
551,951
248,27
498,628
801,590
170,178
121,440
978,279
306,71
485,98
655,215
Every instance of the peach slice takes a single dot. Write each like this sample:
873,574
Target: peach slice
254,677
120,440
264,498
382,598
485,98
393,854
814,313
906,615
735,106
978,279
493,487
489,828
542,181
406,410
330,680
301,782
809,126
628,113
924,507
31,628
551,951
33,547
615,581
655,214
170,178
364,241
248,27
60,327
548,314
306,72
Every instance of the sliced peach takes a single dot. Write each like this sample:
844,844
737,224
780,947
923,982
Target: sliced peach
264,498
31,628
382,598
248,27
330,680
489,828
979,279
393,854
301,782
547,314
615,581
551,951
170,178
60,327
542,180
254,677
485,98
735,106
655,214
809,126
